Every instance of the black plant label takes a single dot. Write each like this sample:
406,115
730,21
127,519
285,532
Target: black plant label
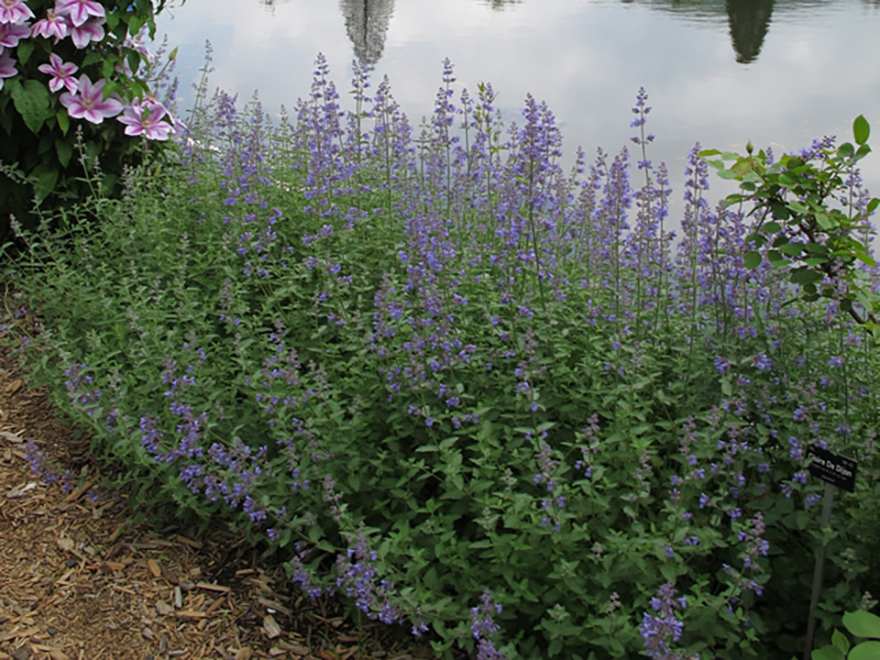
837,470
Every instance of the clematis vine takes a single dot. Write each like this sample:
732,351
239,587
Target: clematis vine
54,25
89,103
61,72
7,67
12,33
14,11
79,11
84,22
92,30
145,118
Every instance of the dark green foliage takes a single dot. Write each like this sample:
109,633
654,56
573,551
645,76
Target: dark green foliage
49,153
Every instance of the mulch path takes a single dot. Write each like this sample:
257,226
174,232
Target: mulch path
79,581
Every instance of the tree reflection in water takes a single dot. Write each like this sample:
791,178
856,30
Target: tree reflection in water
749,22
366,22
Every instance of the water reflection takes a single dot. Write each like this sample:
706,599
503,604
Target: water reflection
749,22
500,4
366,22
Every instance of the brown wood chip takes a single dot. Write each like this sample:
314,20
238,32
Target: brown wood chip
153,565
11,437
186,614
19,634
212,587
271,627
79,492
21,491
189,542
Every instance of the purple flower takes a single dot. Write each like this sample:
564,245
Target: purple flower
482,623
61,72
661,630
88,103
762,362
487,651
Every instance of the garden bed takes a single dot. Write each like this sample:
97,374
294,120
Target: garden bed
78,580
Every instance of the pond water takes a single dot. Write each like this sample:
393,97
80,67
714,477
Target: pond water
775,72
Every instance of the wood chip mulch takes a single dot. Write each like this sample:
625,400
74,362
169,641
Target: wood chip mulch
79,581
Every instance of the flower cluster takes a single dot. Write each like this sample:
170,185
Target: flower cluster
660,631
82,23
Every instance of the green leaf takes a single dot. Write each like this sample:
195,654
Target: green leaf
861,129
772,227
24,51
825,222
32,100
865,651
775,258
804,276
63,121
840,642
865,259
91,58
827,653
752,259
791,249
46,180
862,624
64,149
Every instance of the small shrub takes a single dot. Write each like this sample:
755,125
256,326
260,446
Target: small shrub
466,390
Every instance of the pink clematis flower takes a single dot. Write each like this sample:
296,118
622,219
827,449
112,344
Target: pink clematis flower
89,102
89,31
7,66
136,43
145,118
14,11
61,72
12,33
54,25
79,10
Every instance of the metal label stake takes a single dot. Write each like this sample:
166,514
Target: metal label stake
834,470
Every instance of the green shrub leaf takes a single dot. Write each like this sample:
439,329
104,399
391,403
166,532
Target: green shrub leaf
862,624
865,651
861,129
32,100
